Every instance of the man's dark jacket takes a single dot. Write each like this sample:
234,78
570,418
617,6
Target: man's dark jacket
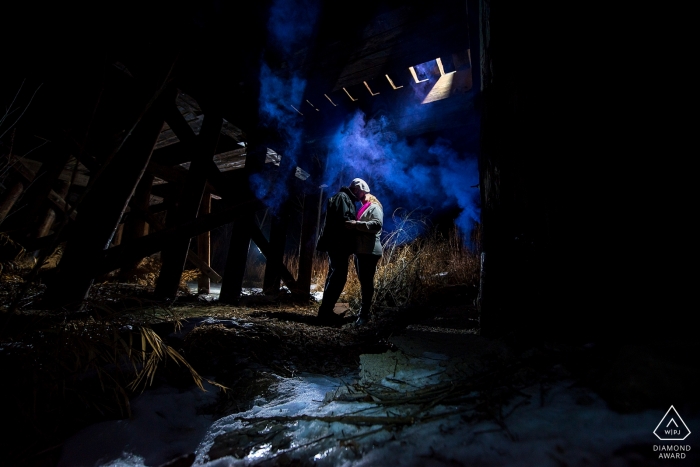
334,236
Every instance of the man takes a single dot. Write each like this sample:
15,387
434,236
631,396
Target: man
339,243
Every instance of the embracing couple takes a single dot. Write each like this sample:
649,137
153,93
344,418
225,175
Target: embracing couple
347,231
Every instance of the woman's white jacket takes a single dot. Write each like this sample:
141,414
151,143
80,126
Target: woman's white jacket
369,227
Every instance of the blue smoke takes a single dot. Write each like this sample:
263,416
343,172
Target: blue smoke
290,26
425,179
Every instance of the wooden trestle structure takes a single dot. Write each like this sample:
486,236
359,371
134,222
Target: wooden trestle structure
125,121
144,127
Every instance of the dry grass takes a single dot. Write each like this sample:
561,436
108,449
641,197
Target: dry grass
409,273
319,267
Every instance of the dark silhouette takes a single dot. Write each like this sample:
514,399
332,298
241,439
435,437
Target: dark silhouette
339,243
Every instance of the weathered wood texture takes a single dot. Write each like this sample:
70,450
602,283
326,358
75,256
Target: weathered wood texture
234,273
405,37
154,242
50,215
9,198
103,209
307,244
204,247
275,256
136,226
39,191
173,257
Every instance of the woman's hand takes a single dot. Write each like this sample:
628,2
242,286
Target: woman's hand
350,224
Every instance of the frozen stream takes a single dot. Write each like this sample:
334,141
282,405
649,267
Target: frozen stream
300,420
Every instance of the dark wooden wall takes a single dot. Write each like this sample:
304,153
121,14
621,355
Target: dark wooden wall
570,144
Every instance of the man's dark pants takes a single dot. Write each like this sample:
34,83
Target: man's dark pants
335,281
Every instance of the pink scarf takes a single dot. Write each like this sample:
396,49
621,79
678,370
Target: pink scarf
362,209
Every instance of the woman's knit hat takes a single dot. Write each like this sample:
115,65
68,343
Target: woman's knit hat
361,184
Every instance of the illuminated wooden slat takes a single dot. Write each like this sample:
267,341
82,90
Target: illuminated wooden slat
368,88
351,98
329,100
392,83
415,76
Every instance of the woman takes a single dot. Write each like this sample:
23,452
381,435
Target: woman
368,250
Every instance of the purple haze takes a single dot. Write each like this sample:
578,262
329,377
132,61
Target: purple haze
290,26
427,179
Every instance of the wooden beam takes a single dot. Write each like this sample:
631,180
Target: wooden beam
179,153
236,260
204,248
135,226
9,198
109,194
267,250
307,244
155,242
174,256
44,226
60,204
243,230
38,191
204,267
275,257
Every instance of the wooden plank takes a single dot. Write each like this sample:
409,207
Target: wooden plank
60,204
9,198
259,238
204,248
203,266
155,242
38,192
174,256
102,210
44,226
179,153
278,237
234,271
307,244
156,225
26,168
82,174
135,226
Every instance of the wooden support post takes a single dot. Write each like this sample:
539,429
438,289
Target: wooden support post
39,191
44,227
9,198
308,244
232,285
136,225
103,209
61,189
117,239
275,260
153,243
259,239
173,257
204,247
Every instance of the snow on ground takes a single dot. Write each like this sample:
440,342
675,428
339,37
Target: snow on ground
165,424
299,419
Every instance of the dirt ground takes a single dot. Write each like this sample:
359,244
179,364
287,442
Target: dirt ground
57,391
243,346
